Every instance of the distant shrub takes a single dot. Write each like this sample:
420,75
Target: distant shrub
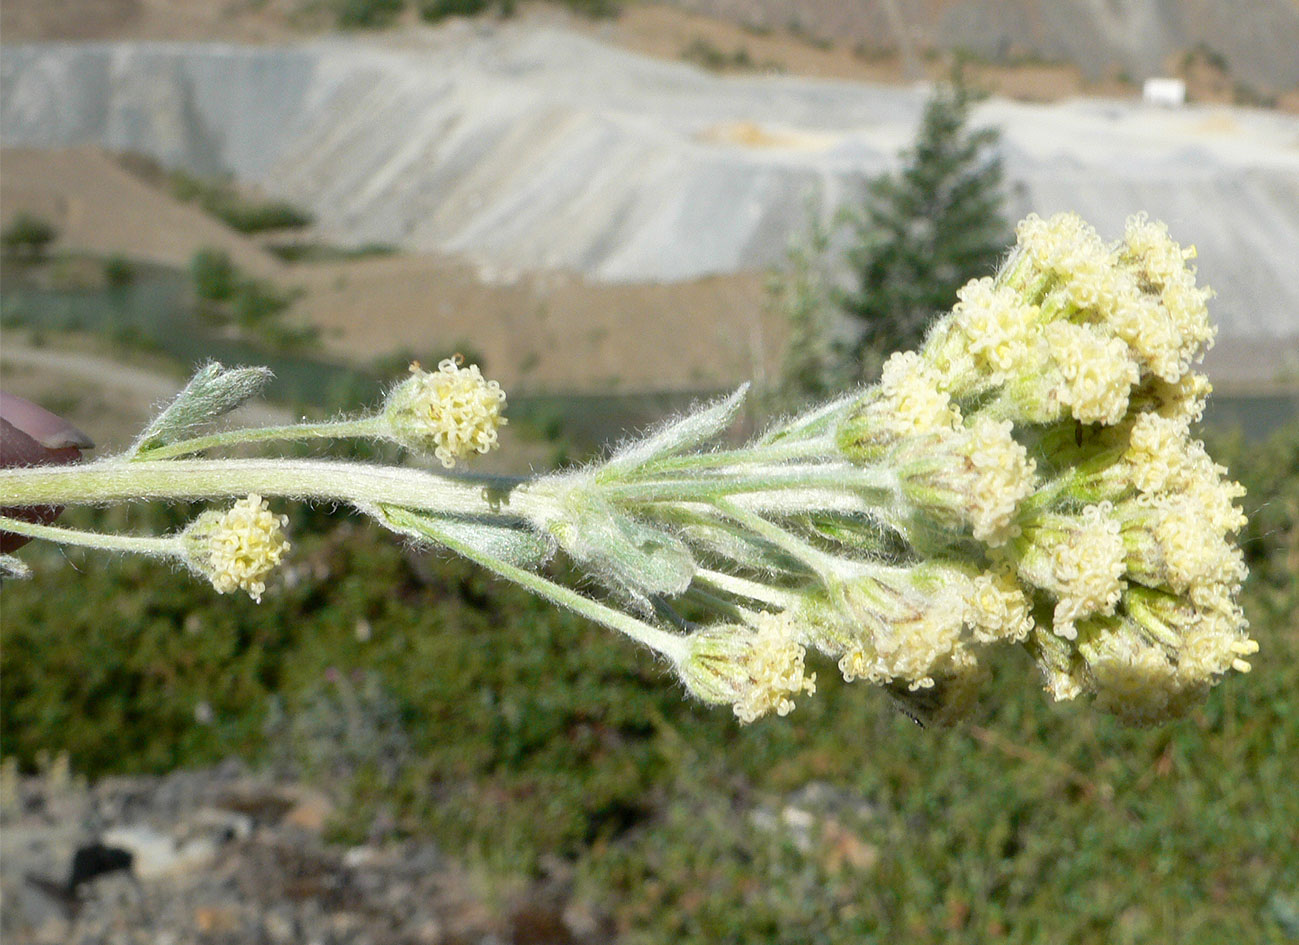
323,252
220,199
213,274
434,10
118,271
260,217
253,306
366,14
28,235
255,302
595,9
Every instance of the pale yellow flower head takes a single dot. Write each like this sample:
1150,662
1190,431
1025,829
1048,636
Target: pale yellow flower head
1163,267
451,412
1078,559
1000,329
756,667
239,548
914,401
999,608
1142,321
1097,369
1132,677
973,477
908,401
1159,453
1072,272
902,624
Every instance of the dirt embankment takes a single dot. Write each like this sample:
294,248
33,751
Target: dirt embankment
552,331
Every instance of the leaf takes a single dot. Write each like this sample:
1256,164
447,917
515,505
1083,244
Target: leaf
677,436
212,392
519,546
633,556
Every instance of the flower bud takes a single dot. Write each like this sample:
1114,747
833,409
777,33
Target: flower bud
237,548
1078,559
999,608
908,401
1182,400
1131,676
756,668
1162,268
451,412
999,328
1097,369
1171,542
902,624
973,477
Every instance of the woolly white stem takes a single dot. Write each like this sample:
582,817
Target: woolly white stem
167,546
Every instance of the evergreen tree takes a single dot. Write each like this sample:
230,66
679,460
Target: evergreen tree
928,229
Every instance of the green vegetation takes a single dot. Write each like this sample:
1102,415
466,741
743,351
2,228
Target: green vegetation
119,271
302,252
927,230
221,200
705,53
366,14
27,235
421,688
435,10
919,235
255,307
371,14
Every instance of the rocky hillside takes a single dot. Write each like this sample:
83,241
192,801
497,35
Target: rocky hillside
529,148
1254,39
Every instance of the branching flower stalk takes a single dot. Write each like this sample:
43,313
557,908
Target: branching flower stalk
1028,478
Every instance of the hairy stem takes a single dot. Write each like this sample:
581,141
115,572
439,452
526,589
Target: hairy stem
335,429
667,644
164,546
322,480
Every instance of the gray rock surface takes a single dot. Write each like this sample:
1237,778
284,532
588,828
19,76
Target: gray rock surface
530,148
223,855
1257,38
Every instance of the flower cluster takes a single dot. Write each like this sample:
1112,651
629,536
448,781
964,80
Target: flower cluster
1032,479
451,412
239,548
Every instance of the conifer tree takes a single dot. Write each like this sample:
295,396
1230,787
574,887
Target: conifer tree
927,229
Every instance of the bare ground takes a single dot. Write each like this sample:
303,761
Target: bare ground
546,331
655,29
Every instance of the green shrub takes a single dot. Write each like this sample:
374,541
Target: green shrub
219,199
323,252
28,235
434,10
367,14
261,217
118,271
214,275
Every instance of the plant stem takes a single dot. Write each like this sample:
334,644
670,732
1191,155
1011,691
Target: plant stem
334,429
669,645
775,453
743,587
837,476
166,546
329,480
817,560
